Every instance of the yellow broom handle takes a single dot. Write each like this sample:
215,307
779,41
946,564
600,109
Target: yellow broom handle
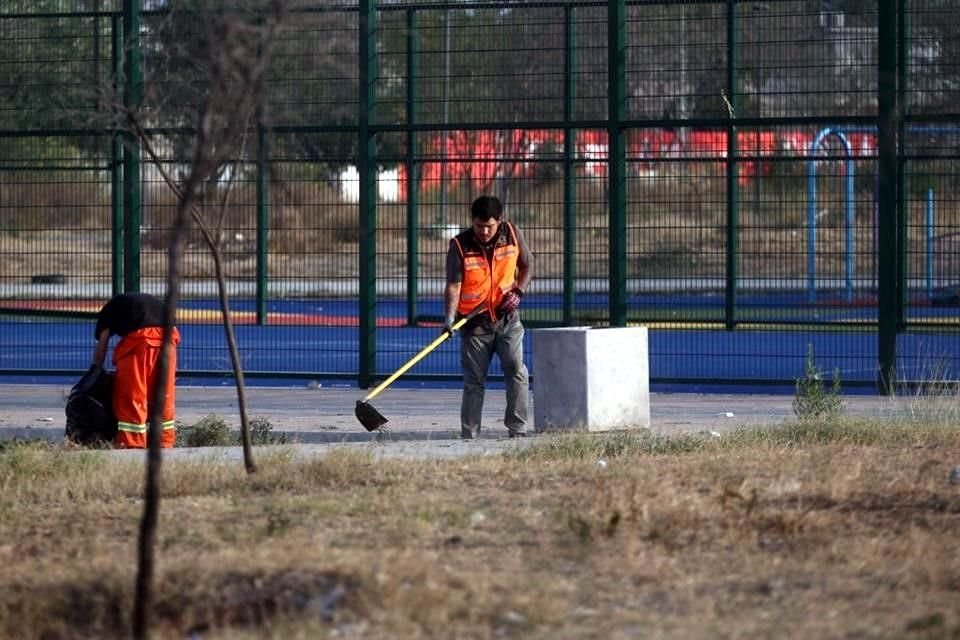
417,358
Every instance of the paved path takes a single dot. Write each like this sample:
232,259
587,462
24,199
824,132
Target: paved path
421,421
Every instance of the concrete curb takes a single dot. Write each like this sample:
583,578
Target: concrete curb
423,422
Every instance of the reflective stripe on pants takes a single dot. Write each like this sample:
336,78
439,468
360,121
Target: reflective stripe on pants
137,358
134,436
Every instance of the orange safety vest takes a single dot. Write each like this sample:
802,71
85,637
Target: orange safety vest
485,282
136,358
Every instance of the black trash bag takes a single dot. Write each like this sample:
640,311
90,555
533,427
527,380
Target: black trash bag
90,419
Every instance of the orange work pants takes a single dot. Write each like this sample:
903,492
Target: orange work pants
137,359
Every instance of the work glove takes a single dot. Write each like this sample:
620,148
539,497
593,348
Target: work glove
511,301
448,325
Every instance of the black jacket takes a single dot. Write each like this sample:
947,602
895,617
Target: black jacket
128,312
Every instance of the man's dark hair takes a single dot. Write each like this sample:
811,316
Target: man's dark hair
487,207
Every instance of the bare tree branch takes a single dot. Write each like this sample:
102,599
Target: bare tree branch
236,75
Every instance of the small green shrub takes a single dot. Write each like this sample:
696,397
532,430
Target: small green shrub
813,400
261,432
211,431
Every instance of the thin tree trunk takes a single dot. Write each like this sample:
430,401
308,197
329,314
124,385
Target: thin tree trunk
151,497
248,461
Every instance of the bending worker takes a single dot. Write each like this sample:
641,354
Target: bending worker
489,264
138,319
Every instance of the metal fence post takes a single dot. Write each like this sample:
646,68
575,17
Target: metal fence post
903,60
132,96
569,190
263,224
733,182
616,161
413,178
366,168
888,151
116,168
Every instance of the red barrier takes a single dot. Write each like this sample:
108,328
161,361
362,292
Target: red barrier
479,158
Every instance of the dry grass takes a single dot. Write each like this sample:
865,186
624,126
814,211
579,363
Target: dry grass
841,530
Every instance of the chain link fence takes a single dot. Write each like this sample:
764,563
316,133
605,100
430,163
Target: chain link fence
747,179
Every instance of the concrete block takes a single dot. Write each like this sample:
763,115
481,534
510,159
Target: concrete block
591,379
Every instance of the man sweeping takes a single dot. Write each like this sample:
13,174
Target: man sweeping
489,264
138,319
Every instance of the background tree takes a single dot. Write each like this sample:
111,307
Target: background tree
50,63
